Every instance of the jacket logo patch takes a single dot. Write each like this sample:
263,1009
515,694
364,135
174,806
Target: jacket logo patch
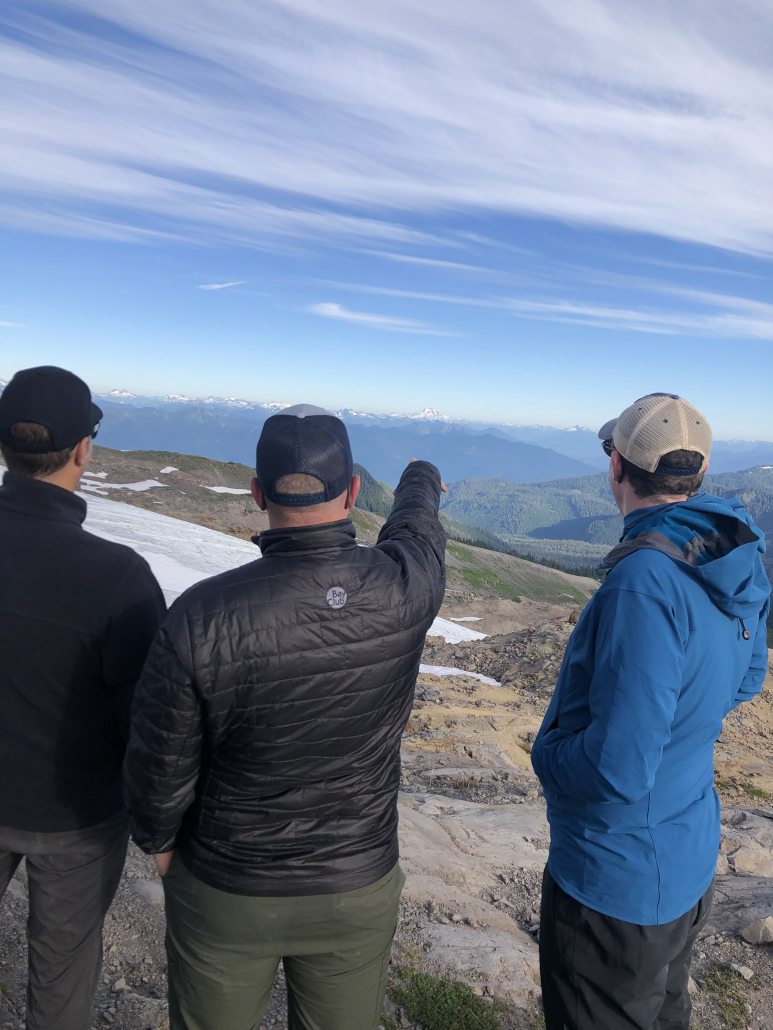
336,597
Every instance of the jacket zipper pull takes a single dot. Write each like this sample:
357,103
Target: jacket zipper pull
746,634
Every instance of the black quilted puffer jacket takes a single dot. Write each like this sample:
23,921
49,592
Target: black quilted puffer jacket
265,740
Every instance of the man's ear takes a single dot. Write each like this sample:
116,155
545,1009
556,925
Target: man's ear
617,467
351,494
257,493
81,453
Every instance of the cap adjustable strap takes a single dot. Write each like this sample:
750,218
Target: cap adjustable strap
663,470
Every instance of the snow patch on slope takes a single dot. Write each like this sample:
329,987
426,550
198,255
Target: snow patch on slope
452,632
146,484
179,553
227,490
447,670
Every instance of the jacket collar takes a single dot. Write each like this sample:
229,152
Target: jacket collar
41,500
308,539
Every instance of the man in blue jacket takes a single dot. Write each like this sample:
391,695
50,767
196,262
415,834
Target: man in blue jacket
672,641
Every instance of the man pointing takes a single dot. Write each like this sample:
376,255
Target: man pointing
263,766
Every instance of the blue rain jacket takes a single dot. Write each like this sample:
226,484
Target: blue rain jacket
655,663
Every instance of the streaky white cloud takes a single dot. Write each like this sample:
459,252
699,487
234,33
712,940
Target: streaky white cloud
664,322
16,325
470,271
220,286
655,118
389,322
758,324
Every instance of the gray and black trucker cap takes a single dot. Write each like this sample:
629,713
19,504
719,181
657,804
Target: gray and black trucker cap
307,440
51,397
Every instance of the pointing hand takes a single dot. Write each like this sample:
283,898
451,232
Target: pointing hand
443,486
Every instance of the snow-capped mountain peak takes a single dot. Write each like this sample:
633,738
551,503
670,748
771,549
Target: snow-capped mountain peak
431,415
275,405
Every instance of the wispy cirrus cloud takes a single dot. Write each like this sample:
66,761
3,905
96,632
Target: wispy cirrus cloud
220,286
305,119
16,325
388,322
742,317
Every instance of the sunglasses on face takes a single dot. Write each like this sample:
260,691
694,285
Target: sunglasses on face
94,431
608,446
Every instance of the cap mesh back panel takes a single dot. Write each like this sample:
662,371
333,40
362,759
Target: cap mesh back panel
317,445
653,426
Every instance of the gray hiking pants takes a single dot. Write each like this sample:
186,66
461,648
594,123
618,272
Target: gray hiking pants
72,878
601,973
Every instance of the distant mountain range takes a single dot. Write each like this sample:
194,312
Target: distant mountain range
227,428
384,450
578,442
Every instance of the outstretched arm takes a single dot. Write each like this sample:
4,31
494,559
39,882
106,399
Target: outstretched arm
413,535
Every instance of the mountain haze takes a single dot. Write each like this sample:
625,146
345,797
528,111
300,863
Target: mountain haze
227,428
578,442
383,451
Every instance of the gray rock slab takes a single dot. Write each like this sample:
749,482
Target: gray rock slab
739,901
452,853
467,844
17,891
747,841
420,890
148,891
508,961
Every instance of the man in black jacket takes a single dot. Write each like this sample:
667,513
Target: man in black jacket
77,616
265,744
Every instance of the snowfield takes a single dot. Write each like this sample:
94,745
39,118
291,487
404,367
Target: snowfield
179,553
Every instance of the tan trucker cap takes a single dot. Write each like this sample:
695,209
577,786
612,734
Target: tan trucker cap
655,425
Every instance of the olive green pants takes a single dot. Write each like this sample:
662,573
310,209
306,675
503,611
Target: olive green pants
224,952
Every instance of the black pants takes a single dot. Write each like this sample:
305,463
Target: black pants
600,973
72,879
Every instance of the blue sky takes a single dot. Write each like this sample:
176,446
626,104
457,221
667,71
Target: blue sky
505,210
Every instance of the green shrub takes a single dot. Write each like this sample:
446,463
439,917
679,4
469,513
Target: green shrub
727,986
442,1004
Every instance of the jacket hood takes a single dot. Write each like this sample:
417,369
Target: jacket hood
713,539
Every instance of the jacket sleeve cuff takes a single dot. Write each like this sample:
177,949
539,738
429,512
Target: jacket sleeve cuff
152,845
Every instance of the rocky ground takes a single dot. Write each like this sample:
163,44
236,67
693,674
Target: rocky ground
474,840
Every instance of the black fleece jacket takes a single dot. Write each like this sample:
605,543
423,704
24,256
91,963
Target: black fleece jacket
265,741
77,616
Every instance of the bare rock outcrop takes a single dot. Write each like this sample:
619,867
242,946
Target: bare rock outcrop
747,841
456,856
